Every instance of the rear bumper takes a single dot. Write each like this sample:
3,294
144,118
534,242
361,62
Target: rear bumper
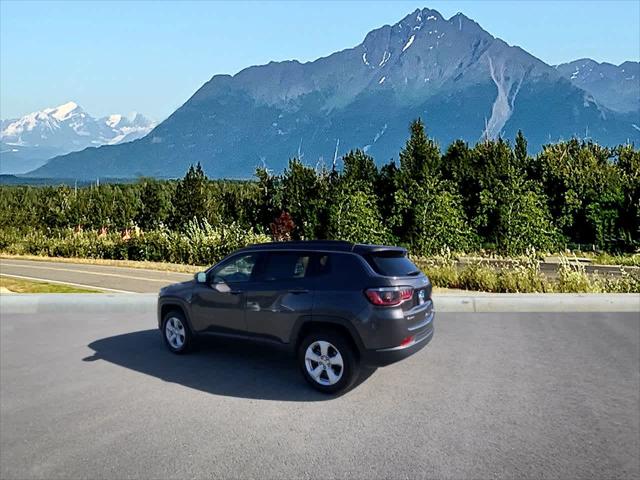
387,356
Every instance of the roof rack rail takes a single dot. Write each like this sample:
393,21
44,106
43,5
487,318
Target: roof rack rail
335,245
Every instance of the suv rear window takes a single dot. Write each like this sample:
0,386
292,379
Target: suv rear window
392,264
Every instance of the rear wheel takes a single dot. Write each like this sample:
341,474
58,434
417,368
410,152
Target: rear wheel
176,333
328,362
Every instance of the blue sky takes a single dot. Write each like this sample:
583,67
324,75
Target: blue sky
151,56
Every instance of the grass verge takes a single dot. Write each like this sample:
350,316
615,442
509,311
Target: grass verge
19,285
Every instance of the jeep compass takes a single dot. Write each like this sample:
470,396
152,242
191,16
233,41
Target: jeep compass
336,305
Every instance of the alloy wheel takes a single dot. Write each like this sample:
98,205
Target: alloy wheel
324,363
175,333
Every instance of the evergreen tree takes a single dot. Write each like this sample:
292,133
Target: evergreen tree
458,167
269,196
385,189
360,172
520,150
126,205
304,198
190,198
155,205
419,160
420,156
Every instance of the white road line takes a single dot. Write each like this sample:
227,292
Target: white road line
37,267
66,283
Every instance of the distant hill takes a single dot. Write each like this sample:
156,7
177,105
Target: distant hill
27,142
614,87
461,80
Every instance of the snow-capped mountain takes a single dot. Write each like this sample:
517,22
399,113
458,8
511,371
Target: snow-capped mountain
461,80
27,142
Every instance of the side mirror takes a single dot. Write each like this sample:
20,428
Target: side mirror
200,277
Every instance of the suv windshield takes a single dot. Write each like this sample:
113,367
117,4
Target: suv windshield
392,264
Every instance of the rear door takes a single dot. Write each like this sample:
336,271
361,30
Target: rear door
280,294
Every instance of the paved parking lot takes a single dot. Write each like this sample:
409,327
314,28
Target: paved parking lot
493,396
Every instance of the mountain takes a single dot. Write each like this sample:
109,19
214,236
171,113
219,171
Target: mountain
615,87
461,80
27,142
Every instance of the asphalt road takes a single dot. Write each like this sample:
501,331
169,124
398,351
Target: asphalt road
492,396
111,279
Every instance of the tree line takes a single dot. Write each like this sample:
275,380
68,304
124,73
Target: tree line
493,196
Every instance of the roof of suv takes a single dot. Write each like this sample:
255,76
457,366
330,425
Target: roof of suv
331,245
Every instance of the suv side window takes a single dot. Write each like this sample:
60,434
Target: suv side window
284,266
238,269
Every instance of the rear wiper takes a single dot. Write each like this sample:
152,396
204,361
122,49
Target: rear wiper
414,273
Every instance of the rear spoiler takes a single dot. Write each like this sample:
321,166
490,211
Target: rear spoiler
363,249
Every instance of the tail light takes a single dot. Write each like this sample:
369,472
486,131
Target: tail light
388,296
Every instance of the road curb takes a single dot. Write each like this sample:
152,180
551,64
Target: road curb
449,303
78,303
536,302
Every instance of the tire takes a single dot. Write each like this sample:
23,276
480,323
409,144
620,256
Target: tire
176,333
319,357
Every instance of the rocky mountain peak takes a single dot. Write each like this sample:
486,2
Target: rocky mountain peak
462,81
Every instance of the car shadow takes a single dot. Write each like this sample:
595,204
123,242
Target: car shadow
218,366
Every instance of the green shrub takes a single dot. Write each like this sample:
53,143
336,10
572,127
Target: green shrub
198,245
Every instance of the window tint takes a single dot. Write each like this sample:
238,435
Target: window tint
239,269
392,264
284,266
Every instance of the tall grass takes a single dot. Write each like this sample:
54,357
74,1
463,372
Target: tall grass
523,275
200,244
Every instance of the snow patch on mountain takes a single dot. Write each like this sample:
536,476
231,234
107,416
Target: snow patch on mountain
409,42
380,133
64,111
385,58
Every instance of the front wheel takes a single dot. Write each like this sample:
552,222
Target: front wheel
176,333
328,362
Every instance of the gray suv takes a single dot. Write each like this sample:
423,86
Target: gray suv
336,305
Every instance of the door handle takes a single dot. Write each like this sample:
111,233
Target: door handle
298,291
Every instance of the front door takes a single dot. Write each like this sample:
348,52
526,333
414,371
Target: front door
218,306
